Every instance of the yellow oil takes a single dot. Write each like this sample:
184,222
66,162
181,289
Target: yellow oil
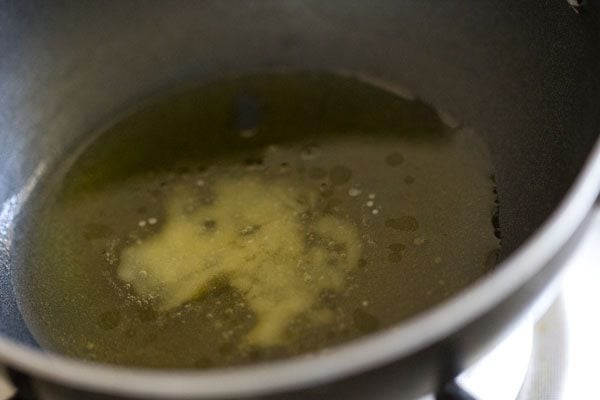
255,218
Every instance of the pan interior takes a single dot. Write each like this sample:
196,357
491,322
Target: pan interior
525,78
254,218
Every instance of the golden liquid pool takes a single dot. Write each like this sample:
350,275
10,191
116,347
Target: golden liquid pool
255,218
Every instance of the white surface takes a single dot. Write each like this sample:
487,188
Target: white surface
581,298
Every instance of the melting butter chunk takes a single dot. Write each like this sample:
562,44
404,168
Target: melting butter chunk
265,238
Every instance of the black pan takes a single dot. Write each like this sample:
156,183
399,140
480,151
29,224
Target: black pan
524,74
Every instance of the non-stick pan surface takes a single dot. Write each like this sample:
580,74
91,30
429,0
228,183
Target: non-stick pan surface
522,74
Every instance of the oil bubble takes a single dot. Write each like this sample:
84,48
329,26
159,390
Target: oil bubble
354,191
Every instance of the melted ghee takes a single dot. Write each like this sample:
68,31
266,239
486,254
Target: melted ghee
252,219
